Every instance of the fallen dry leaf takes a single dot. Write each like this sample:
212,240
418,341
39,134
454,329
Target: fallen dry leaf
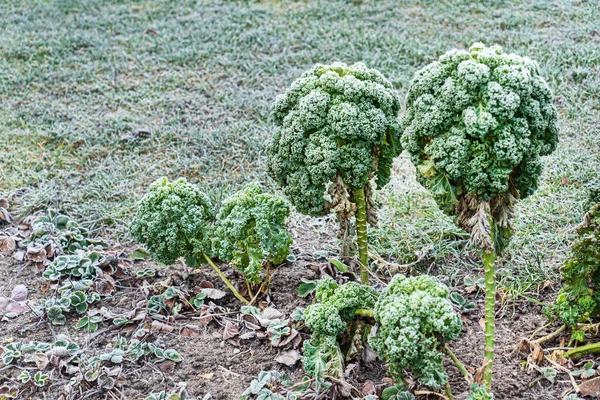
369,388
557,357
590,388
7,243
288,358
160,327
190,331
537,354
231,330
214,294
478,378
4,215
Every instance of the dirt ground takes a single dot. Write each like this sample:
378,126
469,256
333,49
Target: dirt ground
223,368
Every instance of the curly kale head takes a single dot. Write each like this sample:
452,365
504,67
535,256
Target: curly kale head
335,306
415,315
336,121
477,122
172,221
250,228
579,299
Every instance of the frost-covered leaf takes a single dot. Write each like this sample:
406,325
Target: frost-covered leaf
289,357
214,294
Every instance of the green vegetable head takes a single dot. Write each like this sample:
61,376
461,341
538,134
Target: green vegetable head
250,228
337,125
172,221
477,122
415,318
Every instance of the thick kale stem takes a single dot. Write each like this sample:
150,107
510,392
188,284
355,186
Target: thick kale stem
577,352
489,258
468,376
361,234
225,280
361,312
449,391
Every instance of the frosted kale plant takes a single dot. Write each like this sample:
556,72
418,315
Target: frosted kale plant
338,134
476,125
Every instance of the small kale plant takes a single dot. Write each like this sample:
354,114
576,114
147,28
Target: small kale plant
250,230
476,125
334,324
337,136
415,319
177,220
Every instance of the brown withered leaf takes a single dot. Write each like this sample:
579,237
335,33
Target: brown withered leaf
206,285
231,330
105,286
478,378
7,243
590,388
280,343
261,334
166,366
557,357
524,345
248,335
37,253
4,203
369,388
19,255
205,316
160,327
537,354
40,360
190,331
4,215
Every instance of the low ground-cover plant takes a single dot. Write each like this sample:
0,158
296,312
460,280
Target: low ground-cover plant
74,296
54,234
176,220
578,302
337,133
476,124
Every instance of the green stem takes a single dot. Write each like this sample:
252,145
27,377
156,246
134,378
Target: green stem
468,376
577,352
225,280
362,312
489,258
449,391
361,234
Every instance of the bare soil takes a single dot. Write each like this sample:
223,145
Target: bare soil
223,368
